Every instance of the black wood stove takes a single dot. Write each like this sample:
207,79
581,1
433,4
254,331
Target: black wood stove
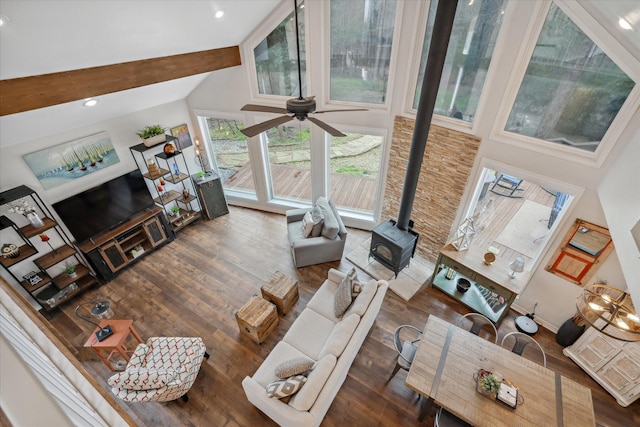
393,247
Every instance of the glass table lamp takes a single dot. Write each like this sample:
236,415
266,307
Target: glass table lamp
516,266
102,310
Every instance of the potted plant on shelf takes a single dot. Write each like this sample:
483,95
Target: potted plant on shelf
152,135
200,175
70,269
175,210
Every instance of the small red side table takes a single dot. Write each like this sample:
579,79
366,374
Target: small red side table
114,344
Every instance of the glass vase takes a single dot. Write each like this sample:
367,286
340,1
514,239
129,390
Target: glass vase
34,219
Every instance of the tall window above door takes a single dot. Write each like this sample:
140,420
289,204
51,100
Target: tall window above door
571,91
361,42
276,58
473,39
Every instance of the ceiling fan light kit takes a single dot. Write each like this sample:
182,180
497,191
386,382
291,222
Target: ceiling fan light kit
298,108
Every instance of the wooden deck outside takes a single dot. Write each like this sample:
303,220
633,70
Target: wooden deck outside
292,183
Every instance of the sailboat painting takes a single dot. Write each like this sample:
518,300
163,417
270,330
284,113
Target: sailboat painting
63,163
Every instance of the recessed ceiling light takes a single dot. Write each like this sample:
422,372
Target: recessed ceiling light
3,20
624,24
90,102
219,14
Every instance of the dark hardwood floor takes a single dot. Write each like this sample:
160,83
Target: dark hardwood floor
194,285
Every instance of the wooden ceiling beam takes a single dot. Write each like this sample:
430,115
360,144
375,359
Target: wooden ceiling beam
29,93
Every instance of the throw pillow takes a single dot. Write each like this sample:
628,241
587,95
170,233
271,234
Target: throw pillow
361,303
356,287
285,387
142,379
318,221
307,224
330,225
292,367
342,299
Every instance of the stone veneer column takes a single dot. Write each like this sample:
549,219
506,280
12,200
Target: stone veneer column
446,166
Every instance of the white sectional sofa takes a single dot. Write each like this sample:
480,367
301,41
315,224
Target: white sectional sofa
330,341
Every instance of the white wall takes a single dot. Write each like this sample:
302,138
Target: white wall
620,196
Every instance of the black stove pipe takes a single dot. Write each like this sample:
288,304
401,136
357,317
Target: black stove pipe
442,26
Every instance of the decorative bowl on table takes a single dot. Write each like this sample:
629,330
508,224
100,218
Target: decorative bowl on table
463,285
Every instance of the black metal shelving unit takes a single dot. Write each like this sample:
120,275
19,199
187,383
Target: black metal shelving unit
46,285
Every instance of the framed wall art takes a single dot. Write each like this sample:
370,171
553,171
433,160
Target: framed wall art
182,133
66,162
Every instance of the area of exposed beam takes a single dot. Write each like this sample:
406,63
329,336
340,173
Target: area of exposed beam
33,92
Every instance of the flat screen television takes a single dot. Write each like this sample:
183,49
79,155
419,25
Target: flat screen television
105,206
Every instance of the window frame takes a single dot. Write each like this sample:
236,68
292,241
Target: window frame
236,195
481,114
360,218
604,41
325,101
279,14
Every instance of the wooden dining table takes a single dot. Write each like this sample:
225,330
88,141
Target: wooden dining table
443,373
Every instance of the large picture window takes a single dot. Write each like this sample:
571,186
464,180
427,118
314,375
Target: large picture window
361,41
276,58
473,38
571,91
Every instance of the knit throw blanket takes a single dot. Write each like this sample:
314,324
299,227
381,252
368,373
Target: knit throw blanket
495,301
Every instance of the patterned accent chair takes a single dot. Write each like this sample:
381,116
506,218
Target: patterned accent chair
163,369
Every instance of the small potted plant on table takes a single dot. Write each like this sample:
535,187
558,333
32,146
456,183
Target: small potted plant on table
488,383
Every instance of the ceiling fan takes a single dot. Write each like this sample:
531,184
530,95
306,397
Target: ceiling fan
298,108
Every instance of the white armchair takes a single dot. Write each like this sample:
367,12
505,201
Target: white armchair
163,369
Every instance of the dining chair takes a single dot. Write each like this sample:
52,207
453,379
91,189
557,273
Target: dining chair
478,321
405,341
521,341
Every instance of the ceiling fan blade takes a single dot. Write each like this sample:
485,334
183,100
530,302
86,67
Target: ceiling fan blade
264,126
264,109
330,130
337,111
